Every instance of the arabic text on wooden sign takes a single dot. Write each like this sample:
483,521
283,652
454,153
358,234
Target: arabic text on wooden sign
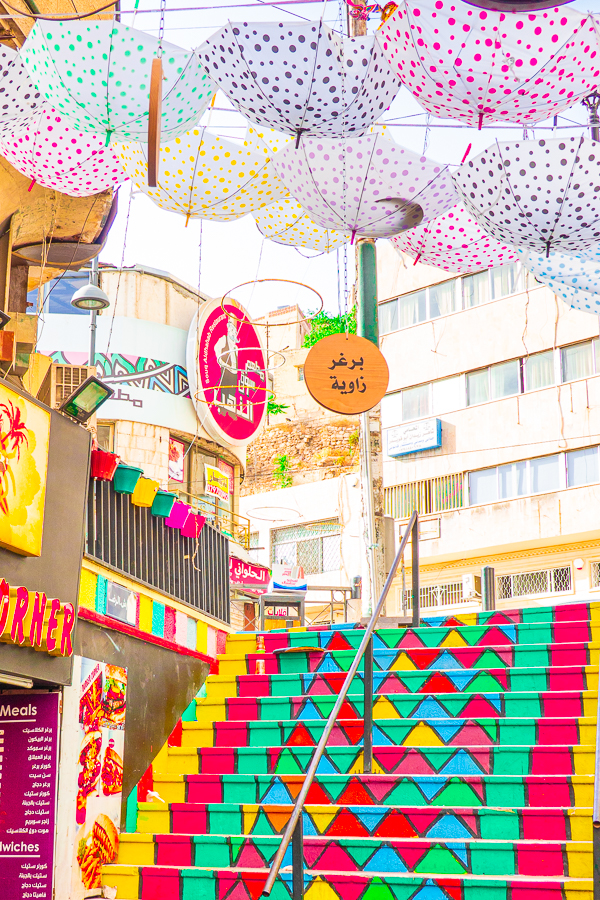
346,374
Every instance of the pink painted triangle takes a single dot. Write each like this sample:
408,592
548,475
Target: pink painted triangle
379,786
422,821
348,888
393,685
412,855
225,882
471,735
249,858
414,763
409,639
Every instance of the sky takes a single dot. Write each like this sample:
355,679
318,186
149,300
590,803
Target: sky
216,257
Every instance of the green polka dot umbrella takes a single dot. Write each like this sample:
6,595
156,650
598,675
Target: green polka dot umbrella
97,74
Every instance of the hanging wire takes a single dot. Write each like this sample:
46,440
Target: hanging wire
161,28
112,321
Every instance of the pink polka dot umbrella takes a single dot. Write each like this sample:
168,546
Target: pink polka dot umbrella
49,150
466,63
454,242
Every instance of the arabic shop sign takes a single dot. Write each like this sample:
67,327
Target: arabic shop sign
216,483
413,437
248,575
227,366
30,619
346,374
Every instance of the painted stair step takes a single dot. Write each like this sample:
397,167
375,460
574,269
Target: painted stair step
508,656
561,791
496,634
423,732
369,855
368,821
546,704
467,681
173,883
502,760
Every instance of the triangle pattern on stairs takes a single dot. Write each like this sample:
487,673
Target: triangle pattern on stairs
482,786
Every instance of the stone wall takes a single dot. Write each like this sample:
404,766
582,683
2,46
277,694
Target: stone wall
146,446
315,452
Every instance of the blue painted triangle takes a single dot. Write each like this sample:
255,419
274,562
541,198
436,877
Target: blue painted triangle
459,850
448,827
308,825
384,658
445,661
378,678
369,816
447,729
430,709
380,739
378,644
509,630
462,678
429,786
328,664
430,891
461,764
309,711
277,793
385,860
325,767
495,700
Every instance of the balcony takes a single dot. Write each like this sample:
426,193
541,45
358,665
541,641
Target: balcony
232,525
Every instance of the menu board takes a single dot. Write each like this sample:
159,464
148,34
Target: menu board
28,766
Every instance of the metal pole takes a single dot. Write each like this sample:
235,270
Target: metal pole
367,320
368,712
415,572
367,489
488,588
592,103
596,806
298,861
93,280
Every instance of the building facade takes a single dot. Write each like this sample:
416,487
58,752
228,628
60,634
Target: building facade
491,430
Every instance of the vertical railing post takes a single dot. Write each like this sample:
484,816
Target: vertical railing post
368,712
298,861
414,542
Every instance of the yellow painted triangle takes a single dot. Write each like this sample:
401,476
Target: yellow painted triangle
322,820
453,639
250,813
377,769
402,663
359,766
321,890
383,709
422,735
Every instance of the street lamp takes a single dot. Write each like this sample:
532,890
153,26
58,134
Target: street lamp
92,298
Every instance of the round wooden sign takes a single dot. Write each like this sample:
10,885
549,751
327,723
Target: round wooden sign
346,374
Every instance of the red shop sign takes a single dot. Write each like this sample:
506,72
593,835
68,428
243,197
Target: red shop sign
249,575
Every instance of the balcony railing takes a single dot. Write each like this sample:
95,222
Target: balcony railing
228,523
132,541
432,495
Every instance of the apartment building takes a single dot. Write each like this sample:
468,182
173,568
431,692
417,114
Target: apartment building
491,430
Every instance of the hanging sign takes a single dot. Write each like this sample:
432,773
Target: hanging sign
227,370
216,483
248,575
346,374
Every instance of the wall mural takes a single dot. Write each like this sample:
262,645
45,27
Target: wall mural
138,371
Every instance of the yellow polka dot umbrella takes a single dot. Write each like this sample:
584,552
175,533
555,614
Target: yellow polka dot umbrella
285,222
205,176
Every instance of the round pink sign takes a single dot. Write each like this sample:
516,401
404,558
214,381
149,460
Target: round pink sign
227,372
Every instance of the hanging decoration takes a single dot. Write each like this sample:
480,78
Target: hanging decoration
301,78
48,149
575,280
476,66
540,195
205,176
97,74
363,11
18,96
367,186
454,242
285,222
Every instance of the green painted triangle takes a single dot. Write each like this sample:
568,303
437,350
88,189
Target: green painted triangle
377,890
489,659
360,852
262,825
458,794
440,861
485,683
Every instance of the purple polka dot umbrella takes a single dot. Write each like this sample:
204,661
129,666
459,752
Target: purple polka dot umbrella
50,151
477,65
18,95
366,186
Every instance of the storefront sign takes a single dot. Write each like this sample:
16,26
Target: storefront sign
413,437
248,575
29,734
30,619
216,483
346,374
102,704
288,578
121,603
176,460
227,372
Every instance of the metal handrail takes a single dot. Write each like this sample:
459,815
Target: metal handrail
413,526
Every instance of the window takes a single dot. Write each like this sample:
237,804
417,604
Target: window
447,394
315,547
415,402
476,290
545,474
483,486
105,435
441,299
412,309
388,317
478,387
253,548
582,466
505,281
512,480
58,293
538,370
577,361
505,379
545,581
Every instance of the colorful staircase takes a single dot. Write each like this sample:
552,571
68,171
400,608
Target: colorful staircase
484,736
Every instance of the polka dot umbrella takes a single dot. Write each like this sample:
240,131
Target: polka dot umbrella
477,65
301,77
285,222
47,149
454,242
366,186
205,176
97,74
540,195
18,95
575,280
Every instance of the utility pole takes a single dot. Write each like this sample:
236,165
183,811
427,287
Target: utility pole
93,280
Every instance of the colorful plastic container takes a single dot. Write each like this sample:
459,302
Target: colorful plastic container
145,492
163,504
193,525
178,515
103,465
125,478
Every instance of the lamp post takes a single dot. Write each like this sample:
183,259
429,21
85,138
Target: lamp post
92,298
591,103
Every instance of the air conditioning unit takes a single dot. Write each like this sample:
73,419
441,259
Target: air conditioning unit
471,587
60,382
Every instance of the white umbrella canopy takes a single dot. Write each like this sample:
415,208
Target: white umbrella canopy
539,195
285,222
480,65
204,176
301,78
18,95
97,73
454,242
367,186
48,149
584,301
575,280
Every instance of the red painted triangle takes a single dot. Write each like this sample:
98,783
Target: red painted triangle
300,737
346,824
479,707
438,684
423,820
395,825
317,795
455,891
353,731
349,888
334,680
412,855
255,883
452,621
500,618
347,711
355,794
338,642
494,638
501,676
423,657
